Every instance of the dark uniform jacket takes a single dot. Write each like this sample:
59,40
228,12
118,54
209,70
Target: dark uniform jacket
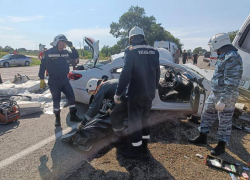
57,63
141,72
107,92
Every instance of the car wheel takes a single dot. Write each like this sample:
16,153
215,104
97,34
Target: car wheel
27,63
6,64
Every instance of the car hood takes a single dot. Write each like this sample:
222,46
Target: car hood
94,45
3,59
206,73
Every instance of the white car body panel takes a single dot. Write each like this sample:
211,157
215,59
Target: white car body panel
117,62
244,51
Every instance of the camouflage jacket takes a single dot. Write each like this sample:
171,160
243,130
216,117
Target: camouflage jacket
227,76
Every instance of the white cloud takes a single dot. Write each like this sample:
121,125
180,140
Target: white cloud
101,34
7,28
16,19
1,20
16,41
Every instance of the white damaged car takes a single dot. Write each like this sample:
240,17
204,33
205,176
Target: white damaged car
181,87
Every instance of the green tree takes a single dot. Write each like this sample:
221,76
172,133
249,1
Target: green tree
232,35
105,50
136,16
108,51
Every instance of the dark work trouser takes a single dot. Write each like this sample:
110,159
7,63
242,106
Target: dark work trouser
118,114
56,87
184,61
138,120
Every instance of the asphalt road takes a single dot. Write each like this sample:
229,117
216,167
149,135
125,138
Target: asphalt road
31,148
30,71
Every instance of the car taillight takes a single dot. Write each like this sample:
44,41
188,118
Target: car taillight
73,76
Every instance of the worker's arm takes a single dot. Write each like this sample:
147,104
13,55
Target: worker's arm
126,73
43,66
74,54
158,71
232,76
96,105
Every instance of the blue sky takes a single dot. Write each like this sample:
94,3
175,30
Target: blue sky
26,23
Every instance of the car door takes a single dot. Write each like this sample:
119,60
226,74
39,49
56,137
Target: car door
242,42
242,38
12,60
19,59
197,99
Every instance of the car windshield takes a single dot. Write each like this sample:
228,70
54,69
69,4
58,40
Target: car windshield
7,56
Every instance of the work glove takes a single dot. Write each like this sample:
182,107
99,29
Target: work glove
42,84
69,43
220,106
117,99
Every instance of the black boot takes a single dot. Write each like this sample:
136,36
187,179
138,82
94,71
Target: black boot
74,117
145,152
134,152
201,139
58,120
219,149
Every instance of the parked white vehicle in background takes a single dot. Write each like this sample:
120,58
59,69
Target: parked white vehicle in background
213,58
182,87
170,46
242,42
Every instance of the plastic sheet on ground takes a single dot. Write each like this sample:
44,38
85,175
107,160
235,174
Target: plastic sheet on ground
41,100
93,131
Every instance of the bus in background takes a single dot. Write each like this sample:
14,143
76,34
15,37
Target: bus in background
170,46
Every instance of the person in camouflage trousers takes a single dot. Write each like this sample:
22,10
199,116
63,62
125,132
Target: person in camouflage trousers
220,104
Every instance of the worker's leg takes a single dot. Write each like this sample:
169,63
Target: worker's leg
225,122
118,114
209,114
55,89
68,91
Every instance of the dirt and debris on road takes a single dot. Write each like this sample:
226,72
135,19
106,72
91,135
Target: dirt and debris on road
171,156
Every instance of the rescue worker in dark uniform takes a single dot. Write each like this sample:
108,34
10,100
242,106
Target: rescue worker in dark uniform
141,73
102,90
56,61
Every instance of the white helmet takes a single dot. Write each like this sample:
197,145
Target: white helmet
136,31
92,84
219,40
58,38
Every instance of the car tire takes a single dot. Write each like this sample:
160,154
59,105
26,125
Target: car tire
27,63
6,64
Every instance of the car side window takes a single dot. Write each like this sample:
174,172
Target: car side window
13,57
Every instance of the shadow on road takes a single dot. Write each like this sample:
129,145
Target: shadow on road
6,128
53,173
